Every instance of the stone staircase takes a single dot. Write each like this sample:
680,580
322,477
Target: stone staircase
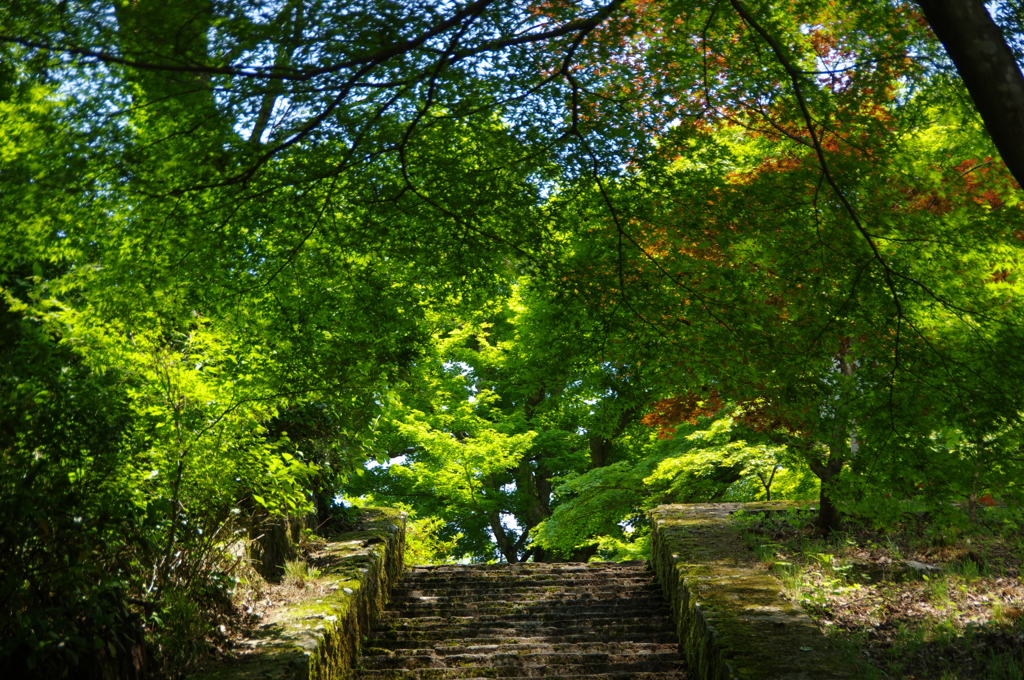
596,620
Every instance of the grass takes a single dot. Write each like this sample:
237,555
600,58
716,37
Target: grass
299,574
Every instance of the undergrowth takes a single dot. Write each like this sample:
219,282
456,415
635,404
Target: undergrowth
900,603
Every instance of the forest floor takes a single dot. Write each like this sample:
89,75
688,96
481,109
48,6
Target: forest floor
256,599
909,602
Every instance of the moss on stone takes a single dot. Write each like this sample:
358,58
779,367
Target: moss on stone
318,638
731,619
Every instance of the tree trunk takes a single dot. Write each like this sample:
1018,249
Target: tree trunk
533,480
601,447
170,37
600,450
507,547
828,513
270,546
828,473
986,64
582,554
179,129
272,540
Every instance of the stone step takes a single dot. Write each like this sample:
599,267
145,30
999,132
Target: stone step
504,576
599,588
571,597
632,606
433,639
527,646
673,669
432,631
437,628
537,598
487,594
534,567
521,659
523,586
507,574
549,615
567,573
459,622
529,625
620,675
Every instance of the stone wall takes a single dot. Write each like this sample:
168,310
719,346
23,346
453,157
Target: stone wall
732,620
319,638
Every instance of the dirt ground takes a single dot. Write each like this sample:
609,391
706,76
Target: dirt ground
907,602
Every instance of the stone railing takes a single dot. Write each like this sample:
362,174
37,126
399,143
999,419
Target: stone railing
733,622
318,638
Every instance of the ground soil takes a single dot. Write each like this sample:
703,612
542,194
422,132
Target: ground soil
963,620
256,599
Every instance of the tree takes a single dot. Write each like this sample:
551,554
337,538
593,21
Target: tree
988,67
489,424
707,459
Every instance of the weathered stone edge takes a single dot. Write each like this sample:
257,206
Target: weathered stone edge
732,622
320,639
339,648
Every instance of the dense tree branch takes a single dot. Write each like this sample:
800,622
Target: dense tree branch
796,80
277,72
988,69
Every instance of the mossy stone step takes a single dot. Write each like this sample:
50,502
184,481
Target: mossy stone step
599,587
545,608
534,583
539,585
530,569
550,618
468,573
524,621
537,598
561,595
569,598
530,580
639,675
525,657
393,640
674,669
660,631
518,572
525,625
535,567
528,645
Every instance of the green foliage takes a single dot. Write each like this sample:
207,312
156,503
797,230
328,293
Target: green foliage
298,572
461,451
125,456
707,464
595,506
636,546
424,543
70,532
605,506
